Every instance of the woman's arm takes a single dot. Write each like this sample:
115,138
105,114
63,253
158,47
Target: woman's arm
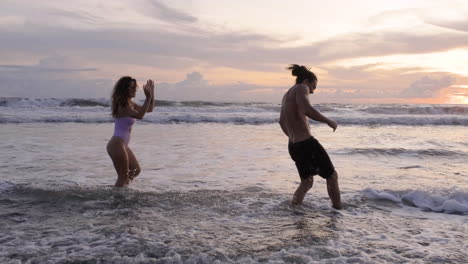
150,83
137,111
151,106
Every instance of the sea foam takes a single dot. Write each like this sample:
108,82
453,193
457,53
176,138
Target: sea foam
97,110
454,203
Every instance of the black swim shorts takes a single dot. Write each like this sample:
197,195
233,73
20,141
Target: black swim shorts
311,159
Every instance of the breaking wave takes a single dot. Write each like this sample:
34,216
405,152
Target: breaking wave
399,152
418,110
56,110
452,203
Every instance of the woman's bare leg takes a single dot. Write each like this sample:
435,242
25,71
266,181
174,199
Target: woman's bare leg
134,166
118,153
334,191
301,191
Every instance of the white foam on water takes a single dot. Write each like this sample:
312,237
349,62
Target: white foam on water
252,225
454,203
417,110
53,110
63,211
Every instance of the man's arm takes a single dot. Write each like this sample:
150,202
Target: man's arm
303,103
282,124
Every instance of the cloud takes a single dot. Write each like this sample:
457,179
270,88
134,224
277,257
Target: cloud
236,50
157,8
60,76
459,25
184,44
71,17
193,44
369,77
195,87
427,87
7,21
351,73
395,15
386,43
57,65
373,82
55,76
53,64
37,69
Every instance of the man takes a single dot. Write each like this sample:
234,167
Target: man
310,157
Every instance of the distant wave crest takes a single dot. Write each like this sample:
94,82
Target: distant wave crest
239,118
400,151
57,110
419,110
51,102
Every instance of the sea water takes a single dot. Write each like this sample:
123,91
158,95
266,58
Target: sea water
217,182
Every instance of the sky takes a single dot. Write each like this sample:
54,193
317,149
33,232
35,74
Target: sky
362,51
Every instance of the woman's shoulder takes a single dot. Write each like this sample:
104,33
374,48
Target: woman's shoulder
122,112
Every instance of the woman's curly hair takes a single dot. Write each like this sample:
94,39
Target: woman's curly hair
121,93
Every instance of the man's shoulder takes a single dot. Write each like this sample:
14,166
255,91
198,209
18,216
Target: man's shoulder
301,86
293,91
300,89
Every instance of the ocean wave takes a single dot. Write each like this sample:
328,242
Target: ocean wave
84,103
57,120
6,186
54,110
87,102
273,107
453,203
102,102
101,224
399,151
226,117
51,102
404,120
416,110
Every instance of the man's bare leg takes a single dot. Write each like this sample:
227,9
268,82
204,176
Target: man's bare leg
301,191
334,191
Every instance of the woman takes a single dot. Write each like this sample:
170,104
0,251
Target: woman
125,112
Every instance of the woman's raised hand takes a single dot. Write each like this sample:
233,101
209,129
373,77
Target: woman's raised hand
145,89
151,86
148,88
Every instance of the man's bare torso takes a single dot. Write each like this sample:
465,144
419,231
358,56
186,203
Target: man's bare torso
293,116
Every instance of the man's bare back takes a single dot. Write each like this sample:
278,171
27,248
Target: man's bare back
294,120
294,112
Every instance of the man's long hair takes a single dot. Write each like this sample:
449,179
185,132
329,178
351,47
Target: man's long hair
302,73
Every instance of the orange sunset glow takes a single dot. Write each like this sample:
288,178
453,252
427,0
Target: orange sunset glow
362,51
